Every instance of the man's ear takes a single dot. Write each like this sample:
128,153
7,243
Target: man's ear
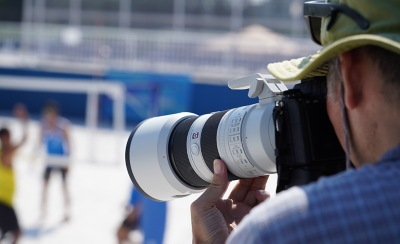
351,65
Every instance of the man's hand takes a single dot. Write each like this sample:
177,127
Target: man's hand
214,218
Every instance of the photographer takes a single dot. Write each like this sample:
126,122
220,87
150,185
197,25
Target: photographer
360,58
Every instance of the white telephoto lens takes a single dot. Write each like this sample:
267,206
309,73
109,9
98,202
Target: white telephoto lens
172,156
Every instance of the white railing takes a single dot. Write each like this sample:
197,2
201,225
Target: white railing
162,51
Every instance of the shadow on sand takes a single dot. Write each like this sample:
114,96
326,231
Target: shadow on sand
38,231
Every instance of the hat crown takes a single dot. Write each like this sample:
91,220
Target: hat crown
382,15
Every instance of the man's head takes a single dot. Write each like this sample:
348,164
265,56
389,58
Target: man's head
371,82
4,136
361,41
51,111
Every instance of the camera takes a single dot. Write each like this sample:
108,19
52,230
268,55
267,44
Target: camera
288,132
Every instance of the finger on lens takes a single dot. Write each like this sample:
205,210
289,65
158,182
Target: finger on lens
259,184
261,195
217,188
244,186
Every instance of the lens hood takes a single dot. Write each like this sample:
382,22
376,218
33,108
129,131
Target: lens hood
148,161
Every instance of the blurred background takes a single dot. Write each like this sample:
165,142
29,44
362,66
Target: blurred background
109,64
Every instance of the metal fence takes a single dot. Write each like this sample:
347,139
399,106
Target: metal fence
161,51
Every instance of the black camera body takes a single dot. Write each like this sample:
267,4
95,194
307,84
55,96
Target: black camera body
306,144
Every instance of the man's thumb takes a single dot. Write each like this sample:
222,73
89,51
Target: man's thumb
218,186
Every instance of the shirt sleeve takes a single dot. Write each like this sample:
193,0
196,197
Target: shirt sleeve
245,233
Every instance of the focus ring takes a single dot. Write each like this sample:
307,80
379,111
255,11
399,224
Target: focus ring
209,142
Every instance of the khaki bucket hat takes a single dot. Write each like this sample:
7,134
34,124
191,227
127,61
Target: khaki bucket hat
343,33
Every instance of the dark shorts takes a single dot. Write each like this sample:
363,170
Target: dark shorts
130,224
8,220
49,169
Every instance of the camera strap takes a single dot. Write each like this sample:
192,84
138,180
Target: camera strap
278,126
345,122
283,174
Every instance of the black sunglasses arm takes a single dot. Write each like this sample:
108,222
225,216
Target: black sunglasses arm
322,9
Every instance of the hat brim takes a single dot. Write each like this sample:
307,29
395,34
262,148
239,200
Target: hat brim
316,64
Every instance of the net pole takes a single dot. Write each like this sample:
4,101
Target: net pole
75,12
179,15
119,121
91,119
119,110
27,17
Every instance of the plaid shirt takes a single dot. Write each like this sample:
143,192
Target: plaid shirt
356,206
